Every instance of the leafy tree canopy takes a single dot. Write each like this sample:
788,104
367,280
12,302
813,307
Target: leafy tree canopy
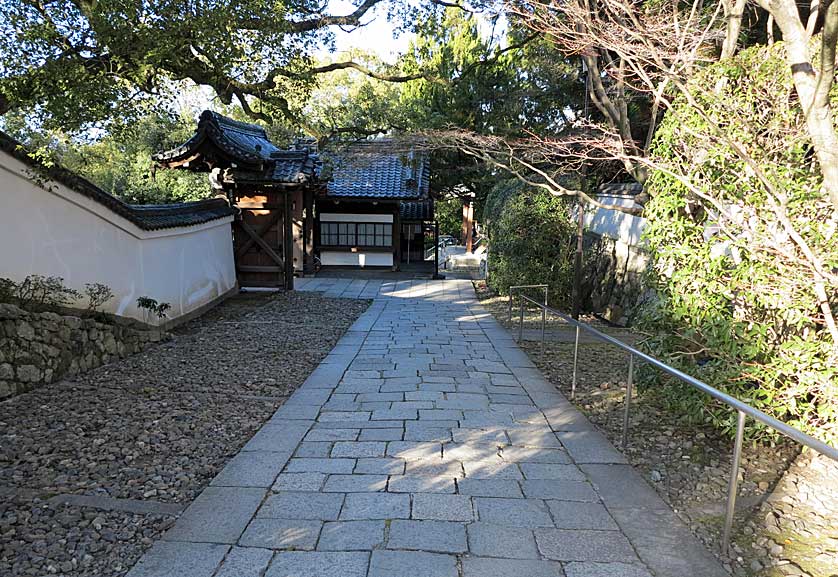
78,62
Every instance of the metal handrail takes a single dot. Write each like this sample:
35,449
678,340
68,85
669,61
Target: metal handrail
743,409
512,290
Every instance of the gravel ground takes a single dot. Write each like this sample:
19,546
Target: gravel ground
785,525
156,427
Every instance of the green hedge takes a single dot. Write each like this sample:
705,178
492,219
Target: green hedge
531,240
736,303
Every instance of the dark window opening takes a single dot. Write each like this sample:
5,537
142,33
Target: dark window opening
351,234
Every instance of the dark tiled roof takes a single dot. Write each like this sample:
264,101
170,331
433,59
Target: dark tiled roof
243,150
146,217
621,188
244,143
285,167
295,165
417,210
373,169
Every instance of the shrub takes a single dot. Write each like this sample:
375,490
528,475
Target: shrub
97,295
531,240
737,306
38,292
151,306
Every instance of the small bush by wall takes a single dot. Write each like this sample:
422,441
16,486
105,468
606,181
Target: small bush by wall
37,348
531,241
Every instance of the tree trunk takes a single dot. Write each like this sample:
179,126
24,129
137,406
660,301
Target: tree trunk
813,86
733,12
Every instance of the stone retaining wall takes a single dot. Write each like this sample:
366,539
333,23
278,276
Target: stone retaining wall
613,277
40,348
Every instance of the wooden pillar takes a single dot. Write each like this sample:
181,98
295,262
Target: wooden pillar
308,231
468,224
288,256
397,238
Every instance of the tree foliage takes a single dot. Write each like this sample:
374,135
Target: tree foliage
740,249
531,240
119,161
77,62
508,83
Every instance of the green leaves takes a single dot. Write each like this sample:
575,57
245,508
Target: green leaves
531,240
736,302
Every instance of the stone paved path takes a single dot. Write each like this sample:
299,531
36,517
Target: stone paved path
426,445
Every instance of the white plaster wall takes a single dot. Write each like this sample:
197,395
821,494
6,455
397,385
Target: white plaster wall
345,217
613,224
361,259
54,231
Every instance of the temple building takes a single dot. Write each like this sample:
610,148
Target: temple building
359,205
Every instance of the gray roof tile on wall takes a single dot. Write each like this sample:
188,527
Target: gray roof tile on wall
146,217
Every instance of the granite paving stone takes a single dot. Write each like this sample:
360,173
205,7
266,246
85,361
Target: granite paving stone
299,482
319,564
343,416
413,451
370,506
382,466
359,449
442,507
575,515
355,483
218,515
434,468
172,559
307,505
420,484
580,569
491,470
534,455
252,469
333,466
245,562
483,452
552,471
294,534
313,450
412,564
483,567
527,513
559,489
381,435
351,536
435,536
490,488
582,545
278,436
490,540
426,445
332,435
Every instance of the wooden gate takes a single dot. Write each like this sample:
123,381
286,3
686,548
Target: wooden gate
262,240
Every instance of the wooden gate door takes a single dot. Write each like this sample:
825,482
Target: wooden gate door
262,239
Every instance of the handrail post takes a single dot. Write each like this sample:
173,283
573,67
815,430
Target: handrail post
575,363
543,326
509,303
627,413
521,323
733,483
543,319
